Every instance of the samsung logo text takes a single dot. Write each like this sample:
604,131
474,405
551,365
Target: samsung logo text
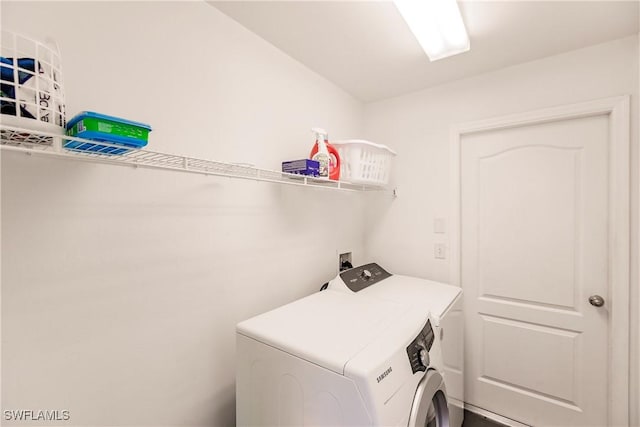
384,374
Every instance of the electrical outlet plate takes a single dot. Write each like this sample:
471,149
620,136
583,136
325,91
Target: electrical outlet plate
440,251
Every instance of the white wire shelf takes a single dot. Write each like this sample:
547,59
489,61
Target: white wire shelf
51,144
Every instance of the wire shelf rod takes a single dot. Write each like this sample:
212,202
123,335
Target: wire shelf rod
30,142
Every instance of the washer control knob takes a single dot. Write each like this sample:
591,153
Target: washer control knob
366,275
424,357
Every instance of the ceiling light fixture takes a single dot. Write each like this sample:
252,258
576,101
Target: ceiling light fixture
437,24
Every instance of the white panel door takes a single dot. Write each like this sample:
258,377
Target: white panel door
534,247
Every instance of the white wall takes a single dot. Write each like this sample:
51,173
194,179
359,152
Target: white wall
400,234
121,287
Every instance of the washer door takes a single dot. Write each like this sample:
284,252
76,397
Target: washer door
429,407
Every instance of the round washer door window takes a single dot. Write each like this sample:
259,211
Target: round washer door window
429,407
438,411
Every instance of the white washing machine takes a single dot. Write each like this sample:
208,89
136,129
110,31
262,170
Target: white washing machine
359,353
444,303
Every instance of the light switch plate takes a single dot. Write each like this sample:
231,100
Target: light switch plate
439,225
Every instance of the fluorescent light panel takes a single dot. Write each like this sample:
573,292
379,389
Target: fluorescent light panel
437,24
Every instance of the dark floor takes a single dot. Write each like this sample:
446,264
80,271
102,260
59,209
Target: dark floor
475,420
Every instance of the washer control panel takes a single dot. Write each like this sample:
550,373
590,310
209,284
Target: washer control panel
359,278
418,350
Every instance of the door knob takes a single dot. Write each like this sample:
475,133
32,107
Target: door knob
596,300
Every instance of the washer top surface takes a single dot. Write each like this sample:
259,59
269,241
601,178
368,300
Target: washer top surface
326,328
435,297
376,283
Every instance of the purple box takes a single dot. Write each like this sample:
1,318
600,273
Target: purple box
302,167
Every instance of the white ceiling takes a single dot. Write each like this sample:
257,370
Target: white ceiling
366,48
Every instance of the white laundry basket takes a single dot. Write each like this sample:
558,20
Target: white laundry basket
32,95
364,162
